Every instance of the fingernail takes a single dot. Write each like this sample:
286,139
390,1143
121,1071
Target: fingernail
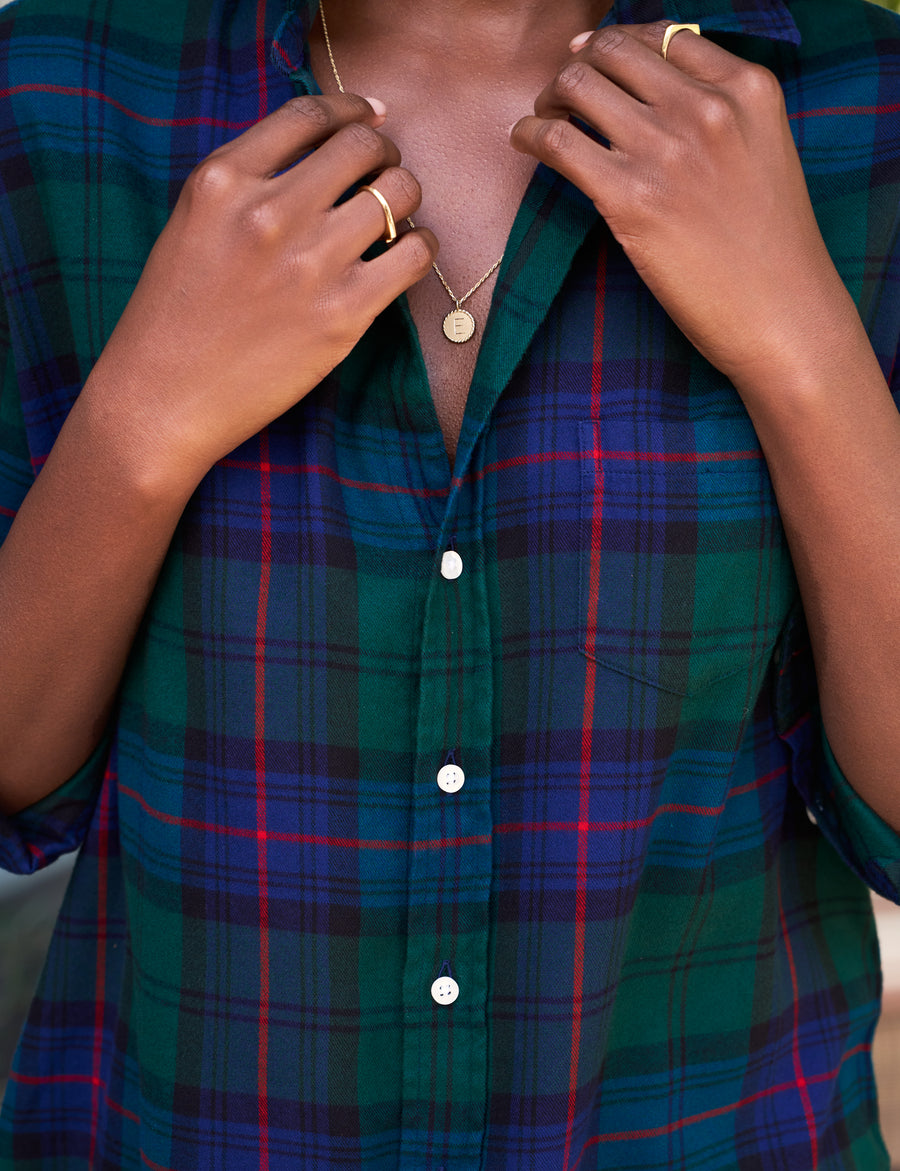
580,41
379,107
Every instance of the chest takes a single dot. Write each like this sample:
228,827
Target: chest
453,135
470,200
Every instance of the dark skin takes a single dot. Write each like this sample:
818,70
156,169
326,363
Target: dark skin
701,186
452,127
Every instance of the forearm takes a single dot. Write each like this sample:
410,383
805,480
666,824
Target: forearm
76,573
702,186
831,436
254,291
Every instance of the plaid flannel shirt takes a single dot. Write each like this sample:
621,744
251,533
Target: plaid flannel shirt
661,960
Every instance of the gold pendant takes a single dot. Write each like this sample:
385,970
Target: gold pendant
459,325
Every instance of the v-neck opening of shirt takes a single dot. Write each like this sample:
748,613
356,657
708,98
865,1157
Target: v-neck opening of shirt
535,262
550,225
453,468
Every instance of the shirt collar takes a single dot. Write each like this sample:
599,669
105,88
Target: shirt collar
759,18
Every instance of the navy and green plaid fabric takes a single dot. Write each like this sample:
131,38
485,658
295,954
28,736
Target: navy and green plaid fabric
662,960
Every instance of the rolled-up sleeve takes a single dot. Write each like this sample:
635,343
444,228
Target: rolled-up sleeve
34,837
868,845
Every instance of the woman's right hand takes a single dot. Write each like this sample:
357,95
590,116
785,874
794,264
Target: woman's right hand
253,292
255,289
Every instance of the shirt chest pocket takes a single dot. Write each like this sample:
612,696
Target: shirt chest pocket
685,576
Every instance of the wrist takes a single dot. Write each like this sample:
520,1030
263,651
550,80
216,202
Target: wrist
136,440
816,357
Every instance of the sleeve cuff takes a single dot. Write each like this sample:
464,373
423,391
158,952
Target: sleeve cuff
856,829
866,843
55,825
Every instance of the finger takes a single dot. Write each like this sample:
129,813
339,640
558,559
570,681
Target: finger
634,62
568,150
745,83
696,56
340,162
580,90
361,220
281,138
383,279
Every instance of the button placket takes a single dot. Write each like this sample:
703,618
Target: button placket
450,864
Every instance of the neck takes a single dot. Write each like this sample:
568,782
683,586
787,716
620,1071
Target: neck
496,27
454,77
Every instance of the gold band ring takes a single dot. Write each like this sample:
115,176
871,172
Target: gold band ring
670,32
390,234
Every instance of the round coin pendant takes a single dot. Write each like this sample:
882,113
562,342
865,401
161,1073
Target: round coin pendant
459,325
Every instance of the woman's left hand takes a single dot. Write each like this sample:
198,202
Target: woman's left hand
702,186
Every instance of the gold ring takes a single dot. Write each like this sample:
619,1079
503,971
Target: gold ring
390,234
670,32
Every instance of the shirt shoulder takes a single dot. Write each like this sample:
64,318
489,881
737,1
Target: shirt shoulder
842,91
160,22
50,48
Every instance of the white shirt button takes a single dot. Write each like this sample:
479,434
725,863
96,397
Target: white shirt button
451,778
444,990
451,565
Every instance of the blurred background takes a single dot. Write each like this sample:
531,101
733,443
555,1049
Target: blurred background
887,1036
29,906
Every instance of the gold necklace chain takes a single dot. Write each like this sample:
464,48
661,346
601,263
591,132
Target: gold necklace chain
459,325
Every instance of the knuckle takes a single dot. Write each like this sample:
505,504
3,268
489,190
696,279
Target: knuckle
553,137
607,40
656,33
572,79
758,84
420,253
213,180
408,186
362,140
715,112
308,109
260,222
